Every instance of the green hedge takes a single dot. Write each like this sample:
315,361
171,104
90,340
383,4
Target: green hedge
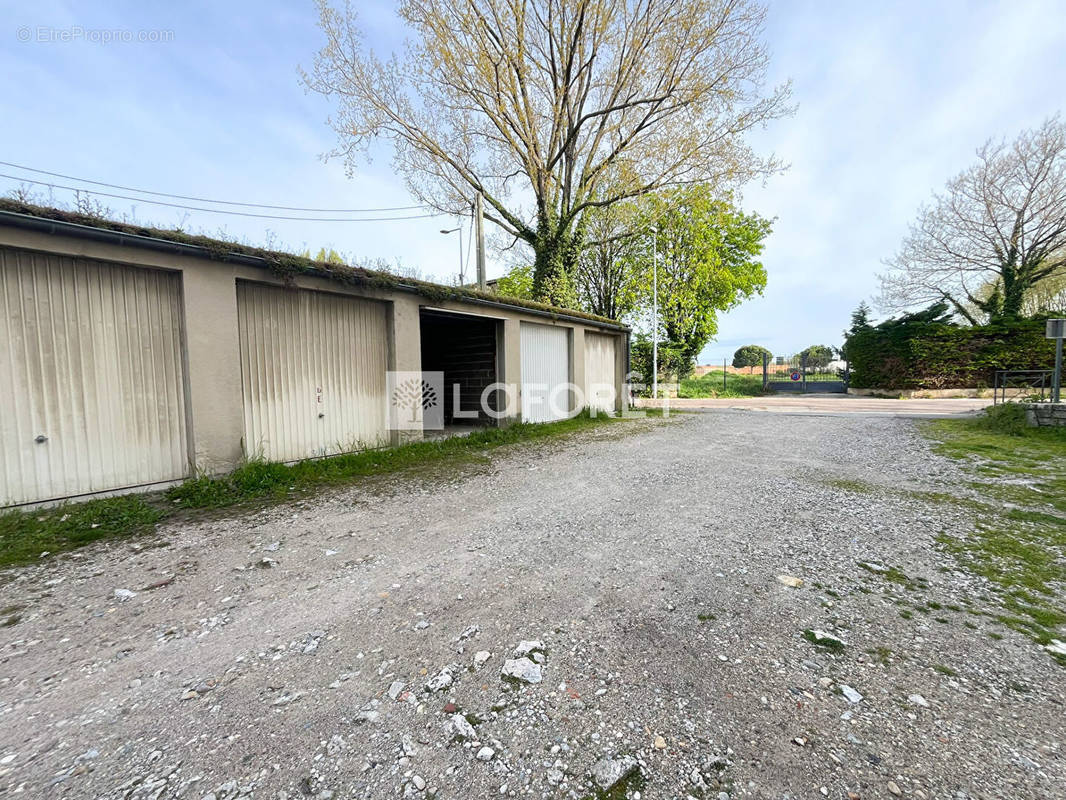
934,355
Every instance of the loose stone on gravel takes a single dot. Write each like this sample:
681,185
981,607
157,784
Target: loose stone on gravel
525,648
851,695
441,681
461,727
521,669
1057,647
468,632
609,772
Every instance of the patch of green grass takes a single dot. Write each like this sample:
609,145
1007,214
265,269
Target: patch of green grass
25,535
831,644
945,670
881,653
705,616
710,385
1019,543
906,614
1029,462
851,485
895,575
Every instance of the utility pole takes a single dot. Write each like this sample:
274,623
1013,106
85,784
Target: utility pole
479,226
654,312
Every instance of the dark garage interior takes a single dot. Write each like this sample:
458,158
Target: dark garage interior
463,347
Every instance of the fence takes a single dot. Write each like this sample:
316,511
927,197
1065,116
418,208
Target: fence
1022,385
805,374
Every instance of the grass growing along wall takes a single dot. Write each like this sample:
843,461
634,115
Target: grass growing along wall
25,535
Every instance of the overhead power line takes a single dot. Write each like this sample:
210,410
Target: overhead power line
220,210
206,199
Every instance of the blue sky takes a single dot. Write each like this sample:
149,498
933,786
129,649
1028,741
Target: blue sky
892,100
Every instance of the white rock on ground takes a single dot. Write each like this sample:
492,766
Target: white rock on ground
461,727
1057,647
821,635
468,631
441,681
608,772
850,693
526,647
521,669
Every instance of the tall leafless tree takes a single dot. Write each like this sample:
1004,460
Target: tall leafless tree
1002,221
540,104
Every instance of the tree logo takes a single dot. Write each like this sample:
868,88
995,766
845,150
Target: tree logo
416,400
411,394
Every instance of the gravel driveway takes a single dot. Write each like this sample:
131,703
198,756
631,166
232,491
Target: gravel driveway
352,646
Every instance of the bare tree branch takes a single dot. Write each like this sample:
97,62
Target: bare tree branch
570,94
999,227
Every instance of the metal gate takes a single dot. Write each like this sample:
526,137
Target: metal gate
806,374
93,384
545,372
313,369
601,372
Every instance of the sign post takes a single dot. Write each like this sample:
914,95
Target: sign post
1056,329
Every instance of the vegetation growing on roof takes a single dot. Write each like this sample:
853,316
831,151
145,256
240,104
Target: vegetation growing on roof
289,265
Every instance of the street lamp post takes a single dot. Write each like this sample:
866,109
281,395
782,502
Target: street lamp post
460,230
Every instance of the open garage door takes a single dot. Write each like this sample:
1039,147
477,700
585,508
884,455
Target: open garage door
601,372
463,348
545,372
313,370
93,394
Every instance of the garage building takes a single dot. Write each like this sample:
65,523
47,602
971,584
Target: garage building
133,358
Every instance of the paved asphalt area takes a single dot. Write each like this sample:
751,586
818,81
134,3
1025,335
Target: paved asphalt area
797,403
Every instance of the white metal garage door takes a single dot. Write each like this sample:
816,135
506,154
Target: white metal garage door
92,388
601,370
545,372
313,370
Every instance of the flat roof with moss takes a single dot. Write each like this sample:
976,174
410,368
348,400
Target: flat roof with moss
282,264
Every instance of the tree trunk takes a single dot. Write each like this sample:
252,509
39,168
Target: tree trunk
1014,287
556,251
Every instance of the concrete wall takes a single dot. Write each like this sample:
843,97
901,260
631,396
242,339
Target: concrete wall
211,346
1046,415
